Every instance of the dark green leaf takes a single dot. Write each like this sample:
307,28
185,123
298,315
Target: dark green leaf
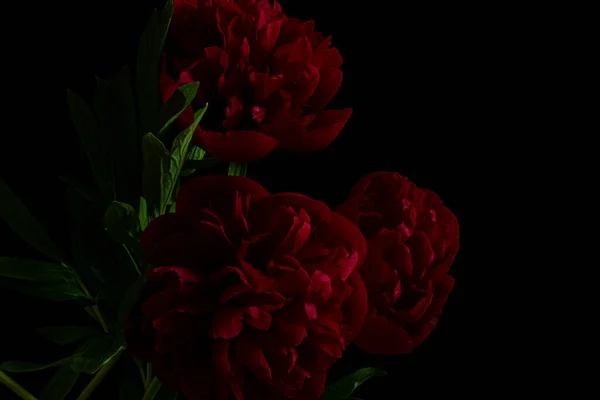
66,334
195,153
24,225
122,223
149,51
81,189
180,100
24,366
53,291
119,128
156,172
343,388
164,394
31,270
92,140
143,213
61,384
130,390
131,297
236,169
96,352
179,152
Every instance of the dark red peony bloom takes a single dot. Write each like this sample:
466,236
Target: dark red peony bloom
252,296
412,241
266,77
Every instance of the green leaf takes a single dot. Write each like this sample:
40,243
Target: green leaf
343,388
143,214
196,153
66,334
85,192
31,270
130,390
236,169
180,100
164,394
54,291
149,50
156,172
179,152
24,224
119,129
131,297
24,366
122,223
92,140
96,352
61,384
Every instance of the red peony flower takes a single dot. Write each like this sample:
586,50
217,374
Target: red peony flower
412,241
252,295
266,77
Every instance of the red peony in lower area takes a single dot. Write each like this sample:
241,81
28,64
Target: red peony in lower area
252,295
267,78
412,241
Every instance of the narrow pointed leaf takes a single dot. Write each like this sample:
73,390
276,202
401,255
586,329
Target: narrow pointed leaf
179,152
96,352
32,270
66,334
61,384
180,100
149,50
24,366
143,213
131,297
343,388
118,126
53,291
24,224
156,172
92,141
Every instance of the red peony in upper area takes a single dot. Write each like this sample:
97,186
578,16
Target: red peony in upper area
412,241
252,295
267,78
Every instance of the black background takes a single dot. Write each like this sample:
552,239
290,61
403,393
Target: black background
404,74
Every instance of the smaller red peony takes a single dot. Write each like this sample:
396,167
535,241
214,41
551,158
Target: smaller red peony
412,241
252,295
267,78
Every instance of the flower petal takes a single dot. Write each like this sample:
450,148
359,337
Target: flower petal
237,145
379,335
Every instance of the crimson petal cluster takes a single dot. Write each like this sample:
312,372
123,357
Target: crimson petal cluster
267,78
252,295
412,241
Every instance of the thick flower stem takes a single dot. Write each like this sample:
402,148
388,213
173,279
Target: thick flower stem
15,387
99,377
152,390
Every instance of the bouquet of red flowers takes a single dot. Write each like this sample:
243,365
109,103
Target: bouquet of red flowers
224,290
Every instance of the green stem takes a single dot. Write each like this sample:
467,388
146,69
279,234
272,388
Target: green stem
142,374
152,390
148,371
15,387
100,375
137,268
